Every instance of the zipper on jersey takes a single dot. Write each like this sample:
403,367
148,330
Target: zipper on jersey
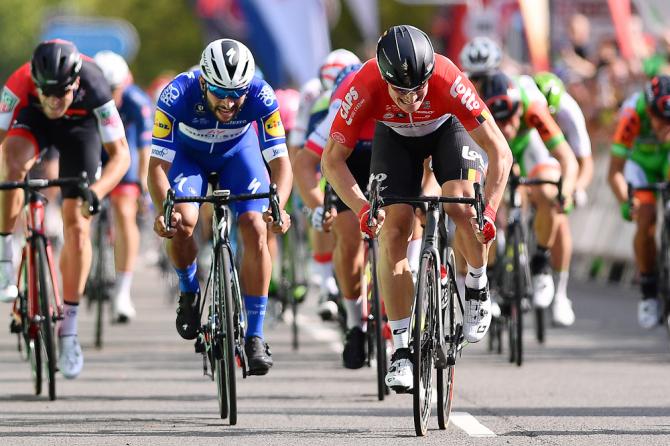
211,146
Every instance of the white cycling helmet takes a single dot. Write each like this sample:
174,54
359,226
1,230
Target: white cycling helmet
334,62
480,55
227,63
113,66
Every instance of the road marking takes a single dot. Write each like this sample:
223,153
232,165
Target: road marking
470,425
318,330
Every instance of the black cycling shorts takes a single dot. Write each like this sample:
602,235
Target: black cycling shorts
359,165
77,141
397,161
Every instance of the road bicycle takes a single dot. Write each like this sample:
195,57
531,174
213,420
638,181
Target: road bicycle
436,325
221,338
38,306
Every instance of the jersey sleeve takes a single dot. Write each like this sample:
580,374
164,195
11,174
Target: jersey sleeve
462,99
319,137
14,96
271,134
627,130
356,108
110,125
163,137
538,117
571,120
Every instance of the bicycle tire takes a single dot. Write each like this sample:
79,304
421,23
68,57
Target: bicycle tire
445,377
519,294
664,275
289,242
422,342
225,314
31,342
46,297
377,325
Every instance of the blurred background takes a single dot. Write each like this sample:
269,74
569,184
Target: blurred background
602,49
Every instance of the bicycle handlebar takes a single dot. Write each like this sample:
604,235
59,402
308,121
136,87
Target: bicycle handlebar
34,184
516,181
222,196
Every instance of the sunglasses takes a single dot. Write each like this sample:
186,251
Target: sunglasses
223,93
405,91
56,92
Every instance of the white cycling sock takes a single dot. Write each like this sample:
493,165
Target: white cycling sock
476,278
400,331
414,255
354,309
124,280
68,326
561,281
6,248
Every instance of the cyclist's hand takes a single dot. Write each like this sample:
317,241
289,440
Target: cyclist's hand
91,204
628,211
274,227
488,232
329,219
159,225
567,206
364,218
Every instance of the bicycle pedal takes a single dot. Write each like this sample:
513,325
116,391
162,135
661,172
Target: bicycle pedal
15,326
402,390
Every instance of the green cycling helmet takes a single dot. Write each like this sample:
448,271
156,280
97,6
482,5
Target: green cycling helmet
552,88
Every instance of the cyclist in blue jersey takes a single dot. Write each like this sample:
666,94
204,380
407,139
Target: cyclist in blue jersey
135,109
203,124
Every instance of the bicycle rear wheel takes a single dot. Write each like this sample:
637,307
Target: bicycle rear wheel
46,297
225,365
422,341
451,337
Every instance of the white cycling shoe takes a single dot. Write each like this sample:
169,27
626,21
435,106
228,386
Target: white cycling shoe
648,313
123,309
71,358
8,289
477,317
562,312
400,376
543,290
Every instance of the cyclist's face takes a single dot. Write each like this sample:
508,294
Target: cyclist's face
661,128
54,106
408,101
224,109
510,127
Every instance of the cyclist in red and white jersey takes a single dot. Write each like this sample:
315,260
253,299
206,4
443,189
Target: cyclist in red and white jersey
68,105
424,106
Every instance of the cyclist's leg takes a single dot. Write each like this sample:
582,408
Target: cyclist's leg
644,243
458,162
245,172
124,200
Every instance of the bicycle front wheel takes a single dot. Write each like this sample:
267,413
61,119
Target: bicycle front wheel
46,296
451,337
225,364
422,340
377,323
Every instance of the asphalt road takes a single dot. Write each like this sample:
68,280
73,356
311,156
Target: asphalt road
604,381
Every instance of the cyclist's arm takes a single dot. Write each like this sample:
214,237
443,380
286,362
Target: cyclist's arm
306,164
282,176
115,169
334,167
616,178
585,175
490,138
627,130
569,167
157,181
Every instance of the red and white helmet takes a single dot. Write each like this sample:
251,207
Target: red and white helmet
334,62
289,100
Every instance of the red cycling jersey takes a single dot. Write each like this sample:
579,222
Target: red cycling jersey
449,93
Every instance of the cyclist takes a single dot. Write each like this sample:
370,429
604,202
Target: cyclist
640,156
423,105
314,101
68,104
203,123
135,109
541,151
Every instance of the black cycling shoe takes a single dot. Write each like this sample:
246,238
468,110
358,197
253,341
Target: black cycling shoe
259,357
353,355
188,315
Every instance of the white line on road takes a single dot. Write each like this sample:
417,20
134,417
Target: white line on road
470,425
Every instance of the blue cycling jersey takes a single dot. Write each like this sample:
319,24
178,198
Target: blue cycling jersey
135,112
183,121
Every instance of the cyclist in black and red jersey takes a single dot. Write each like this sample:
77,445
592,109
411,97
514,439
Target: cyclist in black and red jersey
424,106
61,99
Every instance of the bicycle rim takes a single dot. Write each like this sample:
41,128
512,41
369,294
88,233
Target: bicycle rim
46,293
519,294
445,377
378,325
226,309
422,343
217,338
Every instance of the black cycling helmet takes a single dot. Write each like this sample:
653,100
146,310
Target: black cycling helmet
657,94
501,95
405,57
55,65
